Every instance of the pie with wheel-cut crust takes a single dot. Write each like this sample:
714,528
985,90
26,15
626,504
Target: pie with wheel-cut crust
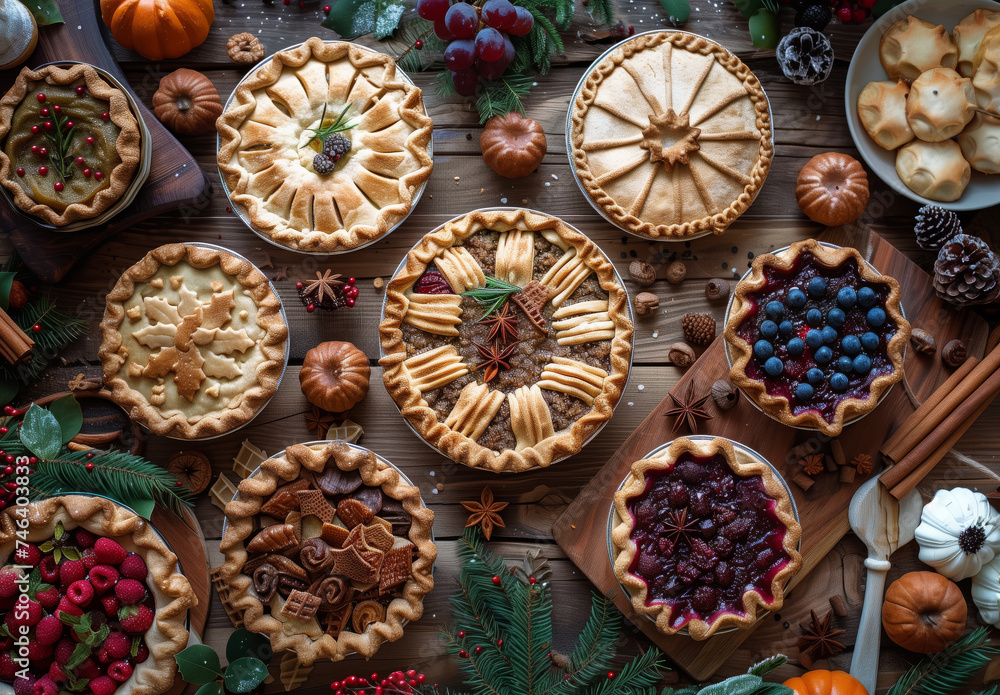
506,339
671,136
272,139
705,537
193,341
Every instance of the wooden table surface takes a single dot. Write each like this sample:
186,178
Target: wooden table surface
807,121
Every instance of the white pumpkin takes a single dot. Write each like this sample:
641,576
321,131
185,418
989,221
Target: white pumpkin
986,592
959,532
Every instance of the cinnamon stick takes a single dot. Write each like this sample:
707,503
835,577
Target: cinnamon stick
15,345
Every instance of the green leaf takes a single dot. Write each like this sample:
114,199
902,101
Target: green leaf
6,280
764,667
210,689
46,547
245,643
143,507
748,8
40,432
678,11
352,18
134,649
765,32
71,553
57,555
773,689
737,685
127,612
45,13
69,414
80,654
245,674
59,531
198,664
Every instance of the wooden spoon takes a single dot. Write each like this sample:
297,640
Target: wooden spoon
884,524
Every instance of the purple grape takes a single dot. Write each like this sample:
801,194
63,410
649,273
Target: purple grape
524,22
499,14
508,49
489,45
461,20
493,70
441,31
460,54
465,81
432,9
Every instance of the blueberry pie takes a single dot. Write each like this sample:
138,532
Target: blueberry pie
705,536
816,335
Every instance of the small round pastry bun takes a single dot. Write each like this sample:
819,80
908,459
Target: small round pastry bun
940,105
968,35
882,110
935,170
912,46
986,71
980,143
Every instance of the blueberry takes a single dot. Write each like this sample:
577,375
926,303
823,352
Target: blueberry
870,341
847,297
769,330
839,382
774,310
773,366
851,344
814,317
829,335
763,349
814,338
796,298
786,329
823,355
845,364
814,376
862,364
867,297
875,317
804,392
817,287
836,318
795,347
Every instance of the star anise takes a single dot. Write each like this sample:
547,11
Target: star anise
687,410
319,421
864,463
485,513
323,286
818,637
679,527
503,325
812,464
494,359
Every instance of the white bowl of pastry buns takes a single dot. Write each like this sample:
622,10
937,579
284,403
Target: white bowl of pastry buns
917,87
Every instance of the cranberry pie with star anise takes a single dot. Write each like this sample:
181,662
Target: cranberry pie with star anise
705,537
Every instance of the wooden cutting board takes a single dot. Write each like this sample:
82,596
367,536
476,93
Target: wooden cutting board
188,543
581,531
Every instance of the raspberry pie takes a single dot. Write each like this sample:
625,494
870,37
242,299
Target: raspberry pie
704,537
816,335
328,551
325,146
506,339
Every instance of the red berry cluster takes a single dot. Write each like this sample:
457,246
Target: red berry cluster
396,683
852,11
57,129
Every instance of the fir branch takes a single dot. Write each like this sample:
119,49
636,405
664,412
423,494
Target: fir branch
58,331
503,95
949,669
594,651
601,11
639,674
443,86
988,691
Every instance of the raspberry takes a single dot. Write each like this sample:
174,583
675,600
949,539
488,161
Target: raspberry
7,666
678,495
80,592
88,669
84,538
26,612
130,591
723,547
138,623
141,654
724,574
7,603
48,630
704,600
120,671
68,607
24,686
8,581
691,472
737,529
71,571
109,552
56,673
118,645
48,598
64,650
103,578
6,643
103,685
111,605
38,652
49,569
89,559
723,515
27,554
133,567
103,656
765,559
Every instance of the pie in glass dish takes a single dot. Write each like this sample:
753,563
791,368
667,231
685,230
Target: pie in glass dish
506,339
328,551
671,136
325,146
193,341
76,109
816,335
705,537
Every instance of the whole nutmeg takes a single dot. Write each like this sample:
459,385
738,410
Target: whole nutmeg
954,353
676,272
244,48
681,355
923,341
717,288
513,146
18,295
646,303
642,273
725,394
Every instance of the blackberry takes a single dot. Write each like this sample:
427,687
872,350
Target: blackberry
336,146
323,163
815,15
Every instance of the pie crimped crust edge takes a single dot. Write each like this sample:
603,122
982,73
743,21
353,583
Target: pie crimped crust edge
411,110
273,345
127,145
409,399
168,635
741,465
240,515
778,406
694,44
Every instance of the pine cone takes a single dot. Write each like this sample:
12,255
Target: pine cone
966,271
934,226
699,329
805,56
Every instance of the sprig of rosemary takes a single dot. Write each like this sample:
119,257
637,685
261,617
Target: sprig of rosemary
493,295
60,137
337,126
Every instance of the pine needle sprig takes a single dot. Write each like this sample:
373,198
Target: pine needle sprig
595,650
949,669
988,691
503,95
636,676
492,296
601,11
58,331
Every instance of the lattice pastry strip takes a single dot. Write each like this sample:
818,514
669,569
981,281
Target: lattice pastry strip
435,313
435,368
583,322
476,407
573,378
515,256
565,276
460,269
530,418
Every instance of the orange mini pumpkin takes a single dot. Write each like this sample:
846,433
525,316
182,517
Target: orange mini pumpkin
158,29
924,612
513,146
187,102
335,376
832,189
821,682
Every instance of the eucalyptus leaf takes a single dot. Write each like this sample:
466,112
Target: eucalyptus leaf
6,281
40,432
69,414
748,8
45,12
245,674
245,643
198,664
142,506
353,18
767,665
210,689
773,689
678,11
737,685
